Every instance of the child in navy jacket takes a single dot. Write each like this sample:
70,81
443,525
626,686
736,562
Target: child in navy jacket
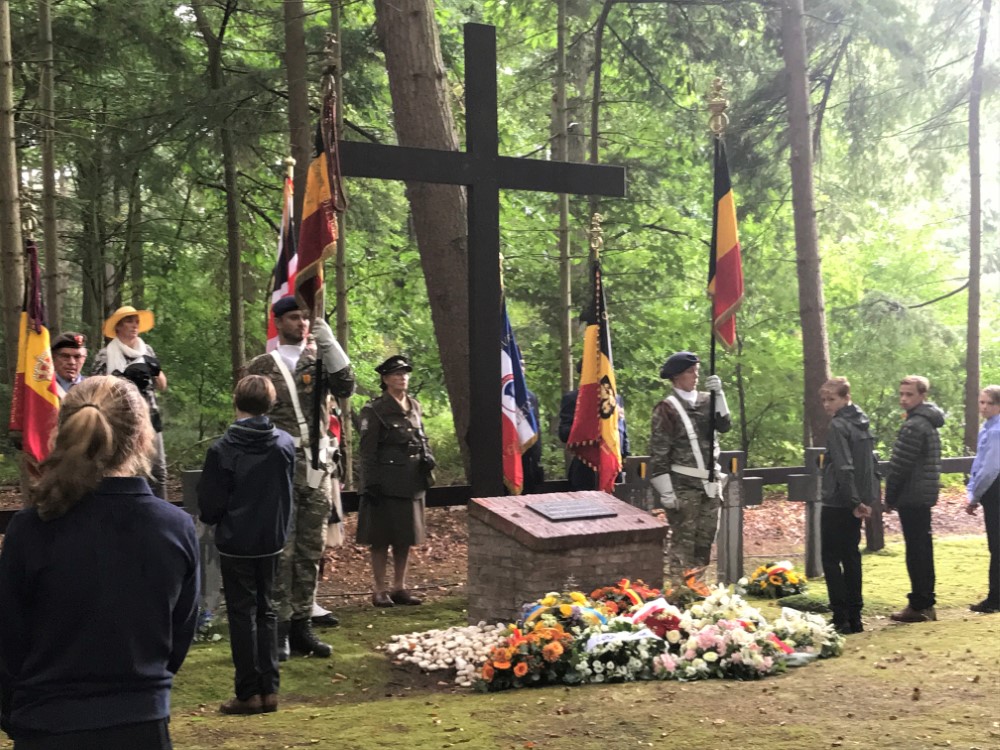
246,492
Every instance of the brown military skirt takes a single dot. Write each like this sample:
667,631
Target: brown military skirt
396,521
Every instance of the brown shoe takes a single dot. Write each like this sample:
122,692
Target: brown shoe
382,599
909,614
405,597
236,707
269,703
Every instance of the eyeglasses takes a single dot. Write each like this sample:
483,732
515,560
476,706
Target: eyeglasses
66,355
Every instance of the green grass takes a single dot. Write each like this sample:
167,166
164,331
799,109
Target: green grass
863,699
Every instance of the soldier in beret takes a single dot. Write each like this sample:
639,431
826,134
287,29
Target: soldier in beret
69,353
396,470
291,367
680,455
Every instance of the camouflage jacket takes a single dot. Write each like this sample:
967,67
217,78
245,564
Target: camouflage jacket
669,443
396,460
339,384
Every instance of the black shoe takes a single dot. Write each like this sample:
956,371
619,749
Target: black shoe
405,597
329,620
985,607
302,640
283,650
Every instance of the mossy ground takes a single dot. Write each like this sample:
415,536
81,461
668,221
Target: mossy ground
896,686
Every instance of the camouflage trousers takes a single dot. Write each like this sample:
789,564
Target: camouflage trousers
295,585
693,525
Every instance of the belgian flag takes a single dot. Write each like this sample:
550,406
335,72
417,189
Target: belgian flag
34,408
725,267
317,238
594,436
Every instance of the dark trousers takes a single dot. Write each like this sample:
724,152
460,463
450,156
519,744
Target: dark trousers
840,534
916,523
253,622
991,516
149,735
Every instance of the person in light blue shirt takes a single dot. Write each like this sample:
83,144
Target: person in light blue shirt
984,489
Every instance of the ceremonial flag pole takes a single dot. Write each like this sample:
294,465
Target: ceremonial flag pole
594,437
318,231
34,407
725,265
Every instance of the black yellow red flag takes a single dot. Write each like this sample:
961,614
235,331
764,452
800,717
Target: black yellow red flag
725,267
317,238
594,437
34,408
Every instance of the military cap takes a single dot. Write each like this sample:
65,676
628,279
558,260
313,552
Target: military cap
285,305
393,364
69,340
677,363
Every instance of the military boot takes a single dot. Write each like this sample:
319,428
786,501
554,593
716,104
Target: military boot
283,650
302,640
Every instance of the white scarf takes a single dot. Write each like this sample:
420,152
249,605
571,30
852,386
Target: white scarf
120,355
690,396
291,353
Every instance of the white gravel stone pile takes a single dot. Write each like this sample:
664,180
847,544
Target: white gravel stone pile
464,649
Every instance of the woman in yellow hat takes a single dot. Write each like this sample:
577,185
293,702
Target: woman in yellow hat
128,356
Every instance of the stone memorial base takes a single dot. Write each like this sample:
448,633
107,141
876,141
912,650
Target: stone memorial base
517,555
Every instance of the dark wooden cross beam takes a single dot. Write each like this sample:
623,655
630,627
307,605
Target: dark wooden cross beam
484,172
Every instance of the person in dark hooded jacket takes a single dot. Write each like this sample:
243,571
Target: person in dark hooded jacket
245,490
911,488
850,488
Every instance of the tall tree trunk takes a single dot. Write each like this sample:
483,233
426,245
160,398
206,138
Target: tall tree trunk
340,261
423,118
11,252
815,348
975,238
216,77
595,102
90,188
297,74
134,248
50,235
560,152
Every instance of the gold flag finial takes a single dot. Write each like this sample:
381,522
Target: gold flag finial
596,235
289,163
718,120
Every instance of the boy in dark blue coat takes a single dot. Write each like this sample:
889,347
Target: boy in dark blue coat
246,492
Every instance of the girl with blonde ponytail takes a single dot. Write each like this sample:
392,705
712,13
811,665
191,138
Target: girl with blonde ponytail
96,542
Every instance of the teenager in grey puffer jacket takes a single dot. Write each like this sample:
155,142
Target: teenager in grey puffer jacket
911,487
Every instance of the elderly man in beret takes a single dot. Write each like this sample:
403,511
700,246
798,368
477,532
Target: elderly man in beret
681,454
69,353
291,367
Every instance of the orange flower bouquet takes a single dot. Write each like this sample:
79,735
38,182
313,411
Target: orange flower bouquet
538,655
623,596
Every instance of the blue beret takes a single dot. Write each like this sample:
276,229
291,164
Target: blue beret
678,363
284,305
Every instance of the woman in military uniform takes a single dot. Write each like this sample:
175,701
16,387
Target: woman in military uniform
396,466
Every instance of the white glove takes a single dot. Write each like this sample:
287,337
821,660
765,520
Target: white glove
714,384
334,357
664,487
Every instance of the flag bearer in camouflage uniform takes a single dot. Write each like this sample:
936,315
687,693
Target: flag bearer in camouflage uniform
678,475
295,587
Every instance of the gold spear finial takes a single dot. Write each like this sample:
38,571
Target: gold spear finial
596,235
718,120
289,163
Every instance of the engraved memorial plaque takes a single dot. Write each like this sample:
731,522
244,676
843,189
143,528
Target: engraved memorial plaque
570,510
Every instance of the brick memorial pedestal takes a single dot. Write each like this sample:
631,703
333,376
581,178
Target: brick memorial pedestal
522,547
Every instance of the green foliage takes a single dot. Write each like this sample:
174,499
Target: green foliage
136,123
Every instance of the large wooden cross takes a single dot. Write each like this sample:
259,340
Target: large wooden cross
484,172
